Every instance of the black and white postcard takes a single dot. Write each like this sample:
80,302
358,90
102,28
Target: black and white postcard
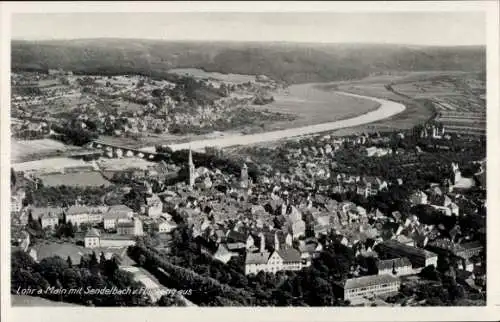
310,161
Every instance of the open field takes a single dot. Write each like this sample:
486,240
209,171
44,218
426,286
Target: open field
457,99
121,164
416,112
313,105
426,95
80,179
49,165
199,73
23,150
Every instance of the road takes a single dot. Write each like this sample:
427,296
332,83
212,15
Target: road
386,110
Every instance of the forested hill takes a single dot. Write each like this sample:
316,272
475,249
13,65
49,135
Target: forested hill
292,63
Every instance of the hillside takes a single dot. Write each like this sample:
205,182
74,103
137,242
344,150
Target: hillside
292,63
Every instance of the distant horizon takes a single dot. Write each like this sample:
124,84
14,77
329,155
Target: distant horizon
393,28
242,42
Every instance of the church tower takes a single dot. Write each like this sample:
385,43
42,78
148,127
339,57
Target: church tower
244,176
191,169
457,175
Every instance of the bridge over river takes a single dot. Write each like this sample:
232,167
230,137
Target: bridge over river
117,151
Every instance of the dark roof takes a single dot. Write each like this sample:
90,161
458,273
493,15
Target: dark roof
117,237
92,233
257,258
408,249
236,236
393,263
38,212
471,245
235,246
125,224
289,255
119,208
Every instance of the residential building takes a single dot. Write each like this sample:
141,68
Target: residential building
77,215
16,203
125,228
447,247
49,220
91,239
256,262
154,206
133,228
38,212
116,214
288,259
165,226
418,198
94,239
370,286
223,254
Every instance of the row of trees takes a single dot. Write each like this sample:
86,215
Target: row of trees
90,273
206,290
74,134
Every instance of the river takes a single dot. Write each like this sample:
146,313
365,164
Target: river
386,110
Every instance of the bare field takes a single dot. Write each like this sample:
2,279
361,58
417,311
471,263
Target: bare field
76,179
125,163
314,105
49,165
22,149
416,112
198,73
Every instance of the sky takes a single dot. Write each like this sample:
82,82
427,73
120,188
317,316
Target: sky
413,28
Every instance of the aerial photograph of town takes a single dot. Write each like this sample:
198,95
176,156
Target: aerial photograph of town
248,159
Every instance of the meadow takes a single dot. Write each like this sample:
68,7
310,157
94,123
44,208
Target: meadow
49,165
199,73
80,179
314,105
21,150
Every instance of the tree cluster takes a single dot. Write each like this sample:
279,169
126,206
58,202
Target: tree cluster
57,273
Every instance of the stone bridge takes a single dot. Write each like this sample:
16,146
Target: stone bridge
116,151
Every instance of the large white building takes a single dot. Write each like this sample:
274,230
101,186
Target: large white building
370,286
94,239
82,214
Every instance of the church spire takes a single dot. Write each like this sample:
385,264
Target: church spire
191,168
244,176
